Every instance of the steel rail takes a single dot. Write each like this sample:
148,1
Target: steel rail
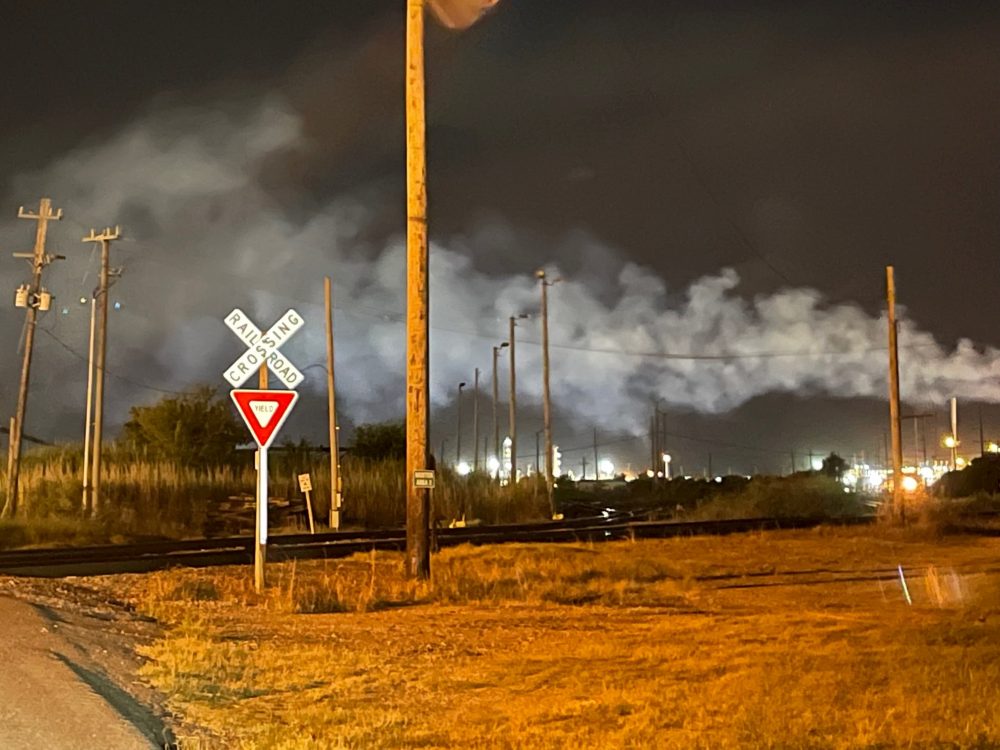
149,556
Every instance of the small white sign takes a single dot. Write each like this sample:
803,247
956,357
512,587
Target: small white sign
423,478
305,483
264,410
263,349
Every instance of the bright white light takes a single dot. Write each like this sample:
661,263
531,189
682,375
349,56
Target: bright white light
649,473
960,462
463,468
666,458
910,483
817,464
850,478
493,464
606,468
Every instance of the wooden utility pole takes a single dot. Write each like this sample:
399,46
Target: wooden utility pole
105,238
512,405
89,417
418,556
547,396
894,421
475,421
331,410
39,260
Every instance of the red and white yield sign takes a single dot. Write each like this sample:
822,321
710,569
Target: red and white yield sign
264,412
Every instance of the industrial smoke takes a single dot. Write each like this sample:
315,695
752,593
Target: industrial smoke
206,234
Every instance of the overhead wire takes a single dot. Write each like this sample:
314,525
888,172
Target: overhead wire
113,374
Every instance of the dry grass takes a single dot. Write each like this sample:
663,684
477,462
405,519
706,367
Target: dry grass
773,640
149,498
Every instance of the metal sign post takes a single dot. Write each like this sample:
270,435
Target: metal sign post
306,485
263,411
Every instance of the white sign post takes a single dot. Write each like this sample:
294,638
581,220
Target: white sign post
264,411
306,485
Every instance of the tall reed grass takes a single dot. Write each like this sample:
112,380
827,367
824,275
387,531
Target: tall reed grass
143,497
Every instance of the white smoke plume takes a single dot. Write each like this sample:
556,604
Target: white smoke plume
206,235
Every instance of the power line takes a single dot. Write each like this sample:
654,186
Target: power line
115,375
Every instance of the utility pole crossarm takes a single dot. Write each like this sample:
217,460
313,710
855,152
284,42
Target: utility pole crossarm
105,236
45,212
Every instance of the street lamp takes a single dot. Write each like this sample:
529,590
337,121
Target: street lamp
496,398
950,441
513,398
666,465
458,437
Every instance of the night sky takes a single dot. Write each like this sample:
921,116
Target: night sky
801,144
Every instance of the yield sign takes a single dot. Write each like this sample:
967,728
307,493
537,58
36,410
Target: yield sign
264,412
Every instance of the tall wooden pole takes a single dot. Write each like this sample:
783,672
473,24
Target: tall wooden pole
39,260
86,505
512,406
331,410
547,397
417,302
894,421
105,238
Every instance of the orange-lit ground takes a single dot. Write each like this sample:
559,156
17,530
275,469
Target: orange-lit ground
784,639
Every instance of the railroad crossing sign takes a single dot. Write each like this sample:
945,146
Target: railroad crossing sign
264,412
263,349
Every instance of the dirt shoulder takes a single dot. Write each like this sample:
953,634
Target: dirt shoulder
72,657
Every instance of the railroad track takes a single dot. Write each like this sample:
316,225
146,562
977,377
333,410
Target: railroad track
149,556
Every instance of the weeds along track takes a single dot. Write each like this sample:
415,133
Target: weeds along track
148,556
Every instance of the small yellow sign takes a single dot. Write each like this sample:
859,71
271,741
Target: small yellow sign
305,483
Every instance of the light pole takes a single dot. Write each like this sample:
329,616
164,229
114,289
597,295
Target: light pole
496,398
546,394
513,399
475,422
458,436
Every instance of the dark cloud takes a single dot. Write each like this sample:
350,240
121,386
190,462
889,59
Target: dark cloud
801,144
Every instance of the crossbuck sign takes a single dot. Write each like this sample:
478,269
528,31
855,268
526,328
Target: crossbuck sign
263,349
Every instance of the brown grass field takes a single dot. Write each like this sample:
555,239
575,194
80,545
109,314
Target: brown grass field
771,640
